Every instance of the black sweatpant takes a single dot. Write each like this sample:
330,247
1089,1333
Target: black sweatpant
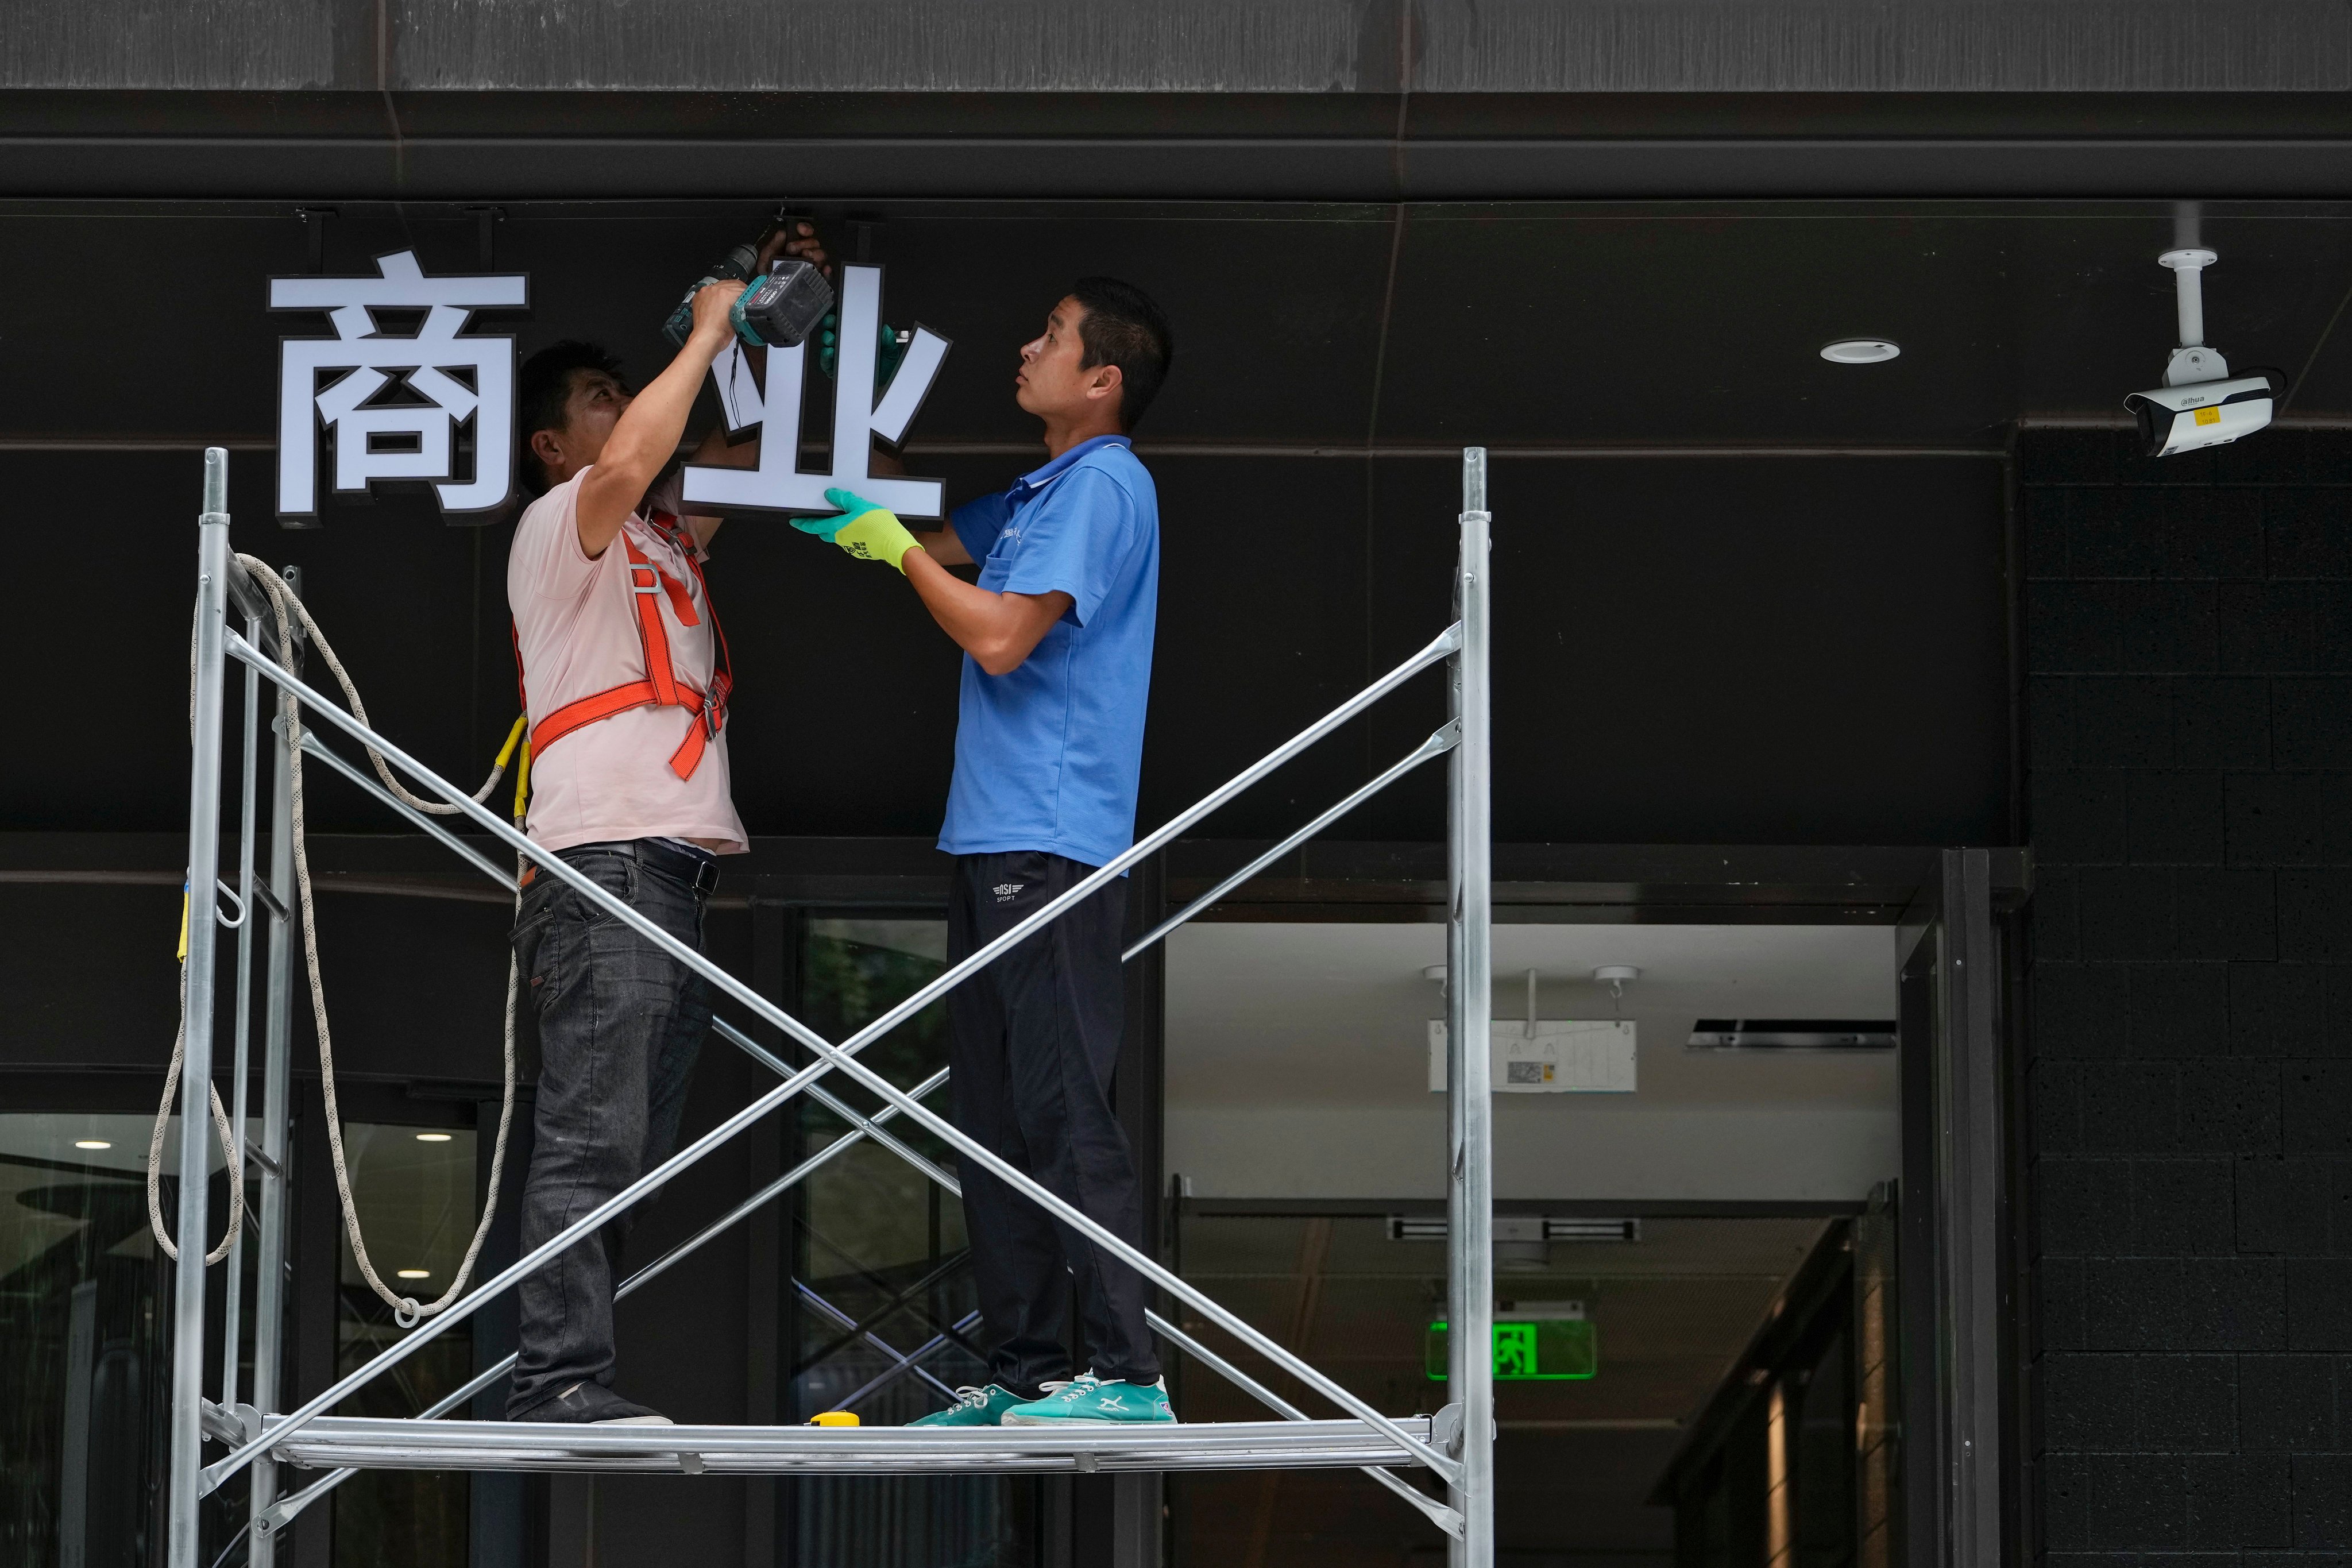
1032,1043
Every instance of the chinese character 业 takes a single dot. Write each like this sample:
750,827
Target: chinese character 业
778,484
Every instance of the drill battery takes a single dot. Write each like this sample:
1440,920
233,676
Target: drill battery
784,307
779,309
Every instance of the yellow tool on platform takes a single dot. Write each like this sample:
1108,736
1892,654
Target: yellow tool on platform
834,1418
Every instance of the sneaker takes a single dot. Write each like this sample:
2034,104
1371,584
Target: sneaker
591,1405
1087,1401
973,1407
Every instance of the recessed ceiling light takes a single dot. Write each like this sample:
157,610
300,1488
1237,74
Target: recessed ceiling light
93,1143
1860,350
433,1137
415,1273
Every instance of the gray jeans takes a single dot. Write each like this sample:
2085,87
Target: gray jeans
620,1023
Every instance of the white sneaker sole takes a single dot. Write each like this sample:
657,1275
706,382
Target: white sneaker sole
635,1421
1078,1421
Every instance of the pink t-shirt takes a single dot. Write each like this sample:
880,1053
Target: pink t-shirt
576,621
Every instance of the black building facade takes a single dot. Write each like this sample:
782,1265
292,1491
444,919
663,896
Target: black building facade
1774,634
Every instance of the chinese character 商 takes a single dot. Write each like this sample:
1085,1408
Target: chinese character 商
414,439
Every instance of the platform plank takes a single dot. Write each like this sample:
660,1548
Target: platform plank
332,1442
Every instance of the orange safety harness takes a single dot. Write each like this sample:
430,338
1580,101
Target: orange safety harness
662,688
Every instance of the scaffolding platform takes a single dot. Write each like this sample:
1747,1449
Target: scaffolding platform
330,1442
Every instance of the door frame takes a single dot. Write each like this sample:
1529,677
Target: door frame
1958,1271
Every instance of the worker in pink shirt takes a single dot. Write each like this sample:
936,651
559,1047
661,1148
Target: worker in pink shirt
625,678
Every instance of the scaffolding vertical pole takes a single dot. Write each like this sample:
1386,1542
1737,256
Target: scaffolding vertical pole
277,1110
248,748
197,1069
1469,1004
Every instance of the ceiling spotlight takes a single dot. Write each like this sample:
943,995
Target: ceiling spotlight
433,1137
413,1274
1860,350
93,1143
2199,403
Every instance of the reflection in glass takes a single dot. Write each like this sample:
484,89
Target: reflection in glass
85,1345
415,1190
880,1272
84,1339
1580,1456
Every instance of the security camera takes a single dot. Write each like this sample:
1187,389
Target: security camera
2199,403
2206,412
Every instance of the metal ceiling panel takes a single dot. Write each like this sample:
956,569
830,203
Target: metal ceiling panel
1308,47
1839,46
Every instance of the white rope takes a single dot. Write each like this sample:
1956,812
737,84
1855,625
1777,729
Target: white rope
155,1147
407,1309
171,1074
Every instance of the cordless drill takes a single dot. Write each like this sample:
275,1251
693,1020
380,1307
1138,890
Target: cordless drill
780,307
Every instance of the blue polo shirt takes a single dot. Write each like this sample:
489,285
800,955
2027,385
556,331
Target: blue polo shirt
1048,756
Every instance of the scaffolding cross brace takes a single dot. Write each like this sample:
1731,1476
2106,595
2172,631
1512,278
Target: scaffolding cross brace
1457,1446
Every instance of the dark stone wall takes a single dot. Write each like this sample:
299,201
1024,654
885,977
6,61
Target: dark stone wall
2189,644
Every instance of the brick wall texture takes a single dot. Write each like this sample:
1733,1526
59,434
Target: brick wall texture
2189,643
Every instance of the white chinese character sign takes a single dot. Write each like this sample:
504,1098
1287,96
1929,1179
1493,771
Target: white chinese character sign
414,438
858,415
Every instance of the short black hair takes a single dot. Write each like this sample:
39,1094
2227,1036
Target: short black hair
545,388
1126,326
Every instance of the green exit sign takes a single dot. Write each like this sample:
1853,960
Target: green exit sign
1540,1342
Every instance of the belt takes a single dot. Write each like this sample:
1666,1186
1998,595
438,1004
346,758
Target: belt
697,869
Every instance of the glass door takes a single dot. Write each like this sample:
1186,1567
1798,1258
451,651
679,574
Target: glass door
881,1318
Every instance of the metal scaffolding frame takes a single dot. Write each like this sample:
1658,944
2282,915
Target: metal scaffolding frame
1457,1446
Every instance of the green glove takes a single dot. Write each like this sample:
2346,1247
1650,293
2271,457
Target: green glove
868,532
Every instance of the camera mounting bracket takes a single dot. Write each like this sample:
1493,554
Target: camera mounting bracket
2192,361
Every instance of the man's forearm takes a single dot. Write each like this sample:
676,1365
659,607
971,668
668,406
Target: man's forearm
973,616
715,451
946,547
643,441
999,630
646,436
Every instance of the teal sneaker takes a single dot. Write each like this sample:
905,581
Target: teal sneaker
973,1407
1087,1401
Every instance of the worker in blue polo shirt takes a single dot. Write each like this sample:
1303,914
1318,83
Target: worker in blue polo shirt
1057,635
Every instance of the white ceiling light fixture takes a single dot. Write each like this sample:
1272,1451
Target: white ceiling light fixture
414,1273
433,1137
1533,1054
1860,351
93,1144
